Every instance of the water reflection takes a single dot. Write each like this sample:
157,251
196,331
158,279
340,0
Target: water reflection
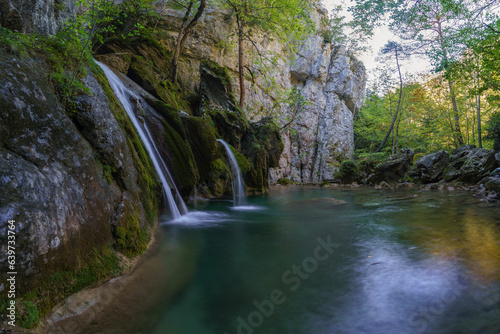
405,262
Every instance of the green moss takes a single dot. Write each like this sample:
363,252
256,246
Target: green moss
203,142
221,72
243,163
170,114
218,166
101,264
130,239
29,315
147,178
145,72
285,181
182,158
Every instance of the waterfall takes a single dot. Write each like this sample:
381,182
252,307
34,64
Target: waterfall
237,181
123,94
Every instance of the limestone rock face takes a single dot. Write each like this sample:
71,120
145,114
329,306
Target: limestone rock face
35,16
322,135
327,76
62,178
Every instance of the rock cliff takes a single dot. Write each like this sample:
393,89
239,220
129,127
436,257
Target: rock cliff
328,76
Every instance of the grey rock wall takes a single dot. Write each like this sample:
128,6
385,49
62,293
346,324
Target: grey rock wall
328,76
35,16
52,175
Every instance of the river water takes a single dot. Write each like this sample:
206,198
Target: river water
304,262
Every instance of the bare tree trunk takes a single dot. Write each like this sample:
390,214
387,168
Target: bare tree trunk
458,134
397,109
184,33
241,62
478,108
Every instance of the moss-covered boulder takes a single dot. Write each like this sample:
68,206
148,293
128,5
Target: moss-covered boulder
393,169
147,63
215,175
262,145
431,166
219,105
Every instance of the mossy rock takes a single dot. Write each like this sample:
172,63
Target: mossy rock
181,159
262,145
219,104
148,64
203,142
285,181
130,239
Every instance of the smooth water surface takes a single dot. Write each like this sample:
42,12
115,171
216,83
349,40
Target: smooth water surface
300,262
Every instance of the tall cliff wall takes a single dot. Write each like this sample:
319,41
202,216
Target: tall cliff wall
329,77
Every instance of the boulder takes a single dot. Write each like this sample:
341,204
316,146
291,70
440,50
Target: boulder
431,166
478,164
457,160
492,184
63,176
394,168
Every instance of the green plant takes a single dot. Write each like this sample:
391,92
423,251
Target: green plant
348,171
29,315
285,181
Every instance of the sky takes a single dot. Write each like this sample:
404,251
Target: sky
381,36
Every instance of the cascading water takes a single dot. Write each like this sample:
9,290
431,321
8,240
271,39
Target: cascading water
237,180
123,94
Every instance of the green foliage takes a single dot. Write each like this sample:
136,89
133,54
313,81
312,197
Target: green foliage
493,130
335,29
348,171
285,181
287,21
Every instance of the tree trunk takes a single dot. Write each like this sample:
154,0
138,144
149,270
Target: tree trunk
478,107
397,109
184,33
458,133
241,62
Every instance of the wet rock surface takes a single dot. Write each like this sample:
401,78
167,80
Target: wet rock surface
431,166
393,169
61,178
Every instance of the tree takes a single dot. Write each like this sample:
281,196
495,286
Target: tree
438,29
188,22
395,49
287,20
